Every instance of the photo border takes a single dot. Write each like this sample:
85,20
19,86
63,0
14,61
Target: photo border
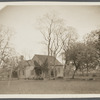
51,96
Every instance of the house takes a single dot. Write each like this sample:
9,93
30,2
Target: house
52,62
26,68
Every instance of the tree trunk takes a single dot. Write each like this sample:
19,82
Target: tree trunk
65,69
10,76
77,66
48,59
82,71
74,74
18,74
54,67
87,69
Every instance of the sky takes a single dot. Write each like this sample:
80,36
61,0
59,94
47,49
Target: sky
23,20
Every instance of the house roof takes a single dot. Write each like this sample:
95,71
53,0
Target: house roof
24,63
51,59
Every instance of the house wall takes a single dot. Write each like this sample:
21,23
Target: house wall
21,73
59,71
28,72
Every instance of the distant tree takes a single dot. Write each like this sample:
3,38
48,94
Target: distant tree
74,55
6,50
82,56
76,49
93,41
97,45
86,57
5,36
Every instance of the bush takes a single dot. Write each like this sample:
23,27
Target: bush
90,78
60,77
94,75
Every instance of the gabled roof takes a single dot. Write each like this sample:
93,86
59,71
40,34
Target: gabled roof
51,59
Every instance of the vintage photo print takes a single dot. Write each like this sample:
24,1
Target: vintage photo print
50,49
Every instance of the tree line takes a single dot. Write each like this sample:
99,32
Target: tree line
60,38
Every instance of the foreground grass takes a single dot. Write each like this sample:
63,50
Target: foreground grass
50,87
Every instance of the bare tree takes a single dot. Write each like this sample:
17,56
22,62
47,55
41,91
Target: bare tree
5,36
56,43
7,53
52,28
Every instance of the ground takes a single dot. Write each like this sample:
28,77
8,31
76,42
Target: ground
50,87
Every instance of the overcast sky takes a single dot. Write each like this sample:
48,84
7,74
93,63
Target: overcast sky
23,19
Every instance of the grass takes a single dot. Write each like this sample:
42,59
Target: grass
50,87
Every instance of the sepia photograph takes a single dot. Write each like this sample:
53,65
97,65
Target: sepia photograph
49,48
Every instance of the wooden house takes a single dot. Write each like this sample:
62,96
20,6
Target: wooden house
52,62
26,67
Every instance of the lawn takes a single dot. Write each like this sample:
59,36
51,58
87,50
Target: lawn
50,87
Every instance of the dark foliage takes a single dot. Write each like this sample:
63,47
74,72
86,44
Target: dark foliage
37,68
45,66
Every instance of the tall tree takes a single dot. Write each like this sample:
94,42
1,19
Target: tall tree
74,55
51,27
